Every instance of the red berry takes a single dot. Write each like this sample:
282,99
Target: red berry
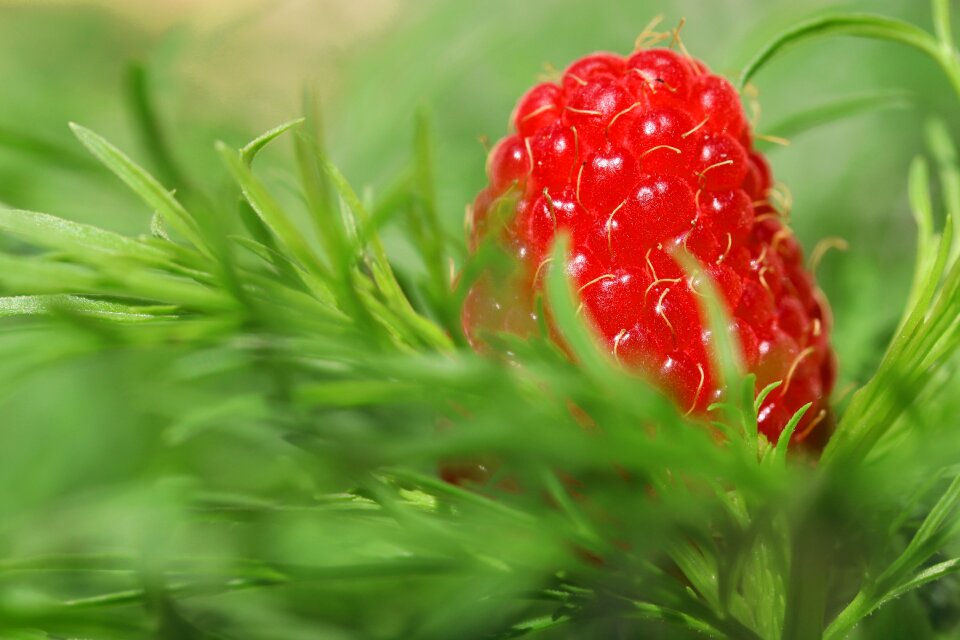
727,211
660,74
759,179
756,304
554,150
660,207
593,68
749,344
640,347
538,108
606,179
635,158
583,265
509,162
497,307
728,283
478,218
716,102
686,381
671,309
793,319
614,299
720,162
660,136
590,109
553,212
703,244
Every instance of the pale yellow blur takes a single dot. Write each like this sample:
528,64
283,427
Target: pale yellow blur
249,58
332,16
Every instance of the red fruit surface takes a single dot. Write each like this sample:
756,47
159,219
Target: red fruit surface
633,157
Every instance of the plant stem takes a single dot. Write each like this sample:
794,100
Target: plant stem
950,63
941,21
858,608
807,590
945,52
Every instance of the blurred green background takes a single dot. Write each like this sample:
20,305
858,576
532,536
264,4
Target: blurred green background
227,69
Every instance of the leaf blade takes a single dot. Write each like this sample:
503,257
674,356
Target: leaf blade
143,184
862,25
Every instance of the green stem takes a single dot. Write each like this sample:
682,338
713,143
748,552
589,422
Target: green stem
807,589
950,63
151,130
941,22
940,48
852,614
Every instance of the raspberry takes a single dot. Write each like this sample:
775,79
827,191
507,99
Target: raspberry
634,157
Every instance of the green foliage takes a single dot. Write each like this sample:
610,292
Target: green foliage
276,394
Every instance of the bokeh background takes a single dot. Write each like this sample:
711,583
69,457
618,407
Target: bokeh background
230,69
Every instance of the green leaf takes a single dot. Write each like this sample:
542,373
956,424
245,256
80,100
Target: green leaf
566,315
252,148
151,130
354,216
928,332
234,411
329,224
839,109
766,391
51,232
37,276
580,525
925,541
42,305
783,442
534,625
650,611
723,351
142,184
896,578
941,23
308,145
861,25
922,209
928,575
945,152
270,211
354,393
699,568
379,264
158,229
432,234
436,486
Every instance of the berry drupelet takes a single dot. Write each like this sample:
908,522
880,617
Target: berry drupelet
633,158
